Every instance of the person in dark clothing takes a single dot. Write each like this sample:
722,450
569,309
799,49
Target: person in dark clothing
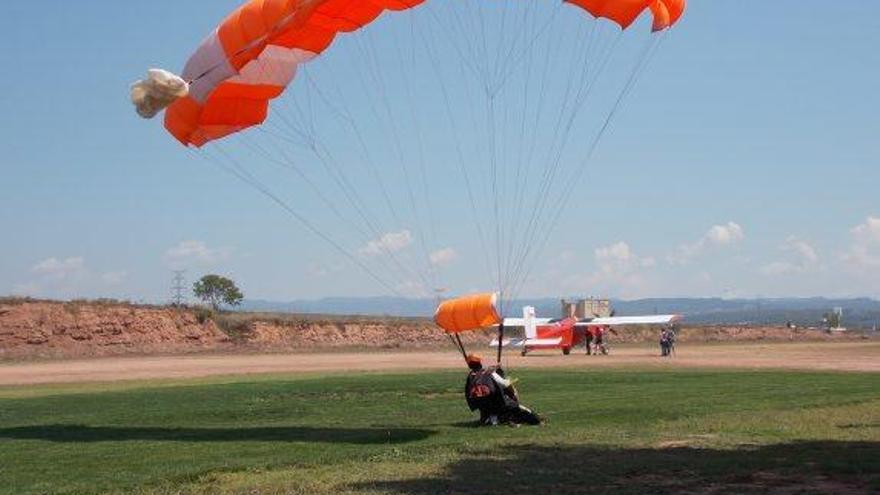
588,340
667,341
494,396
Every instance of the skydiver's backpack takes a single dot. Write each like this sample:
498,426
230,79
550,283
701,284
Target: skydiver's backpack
481,391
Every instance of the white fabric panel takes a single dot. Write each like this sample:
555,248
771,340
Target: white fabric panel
630,320
276,66
210,65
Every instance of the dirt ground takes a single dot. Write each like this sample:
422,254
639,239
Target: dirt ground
839,356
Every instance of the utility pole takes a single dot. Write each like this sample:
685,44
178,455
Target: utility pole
178,283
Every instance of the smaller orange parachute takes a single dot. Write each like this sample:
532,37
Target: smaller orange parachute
468,313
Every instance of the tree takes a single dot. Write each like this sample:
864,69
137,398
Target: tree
217,290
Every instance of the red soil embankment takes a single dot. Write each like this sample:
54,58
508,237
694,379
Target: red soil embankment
45,329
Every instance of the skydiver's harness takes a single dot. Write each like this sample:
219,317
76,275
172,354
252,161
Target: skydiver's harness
483,393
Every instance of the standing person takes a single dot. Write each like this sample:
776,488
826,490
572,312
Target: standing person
588,339
664,342
599,339
494,396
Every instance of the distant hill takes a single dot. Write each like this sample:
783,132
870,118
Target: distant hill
861,313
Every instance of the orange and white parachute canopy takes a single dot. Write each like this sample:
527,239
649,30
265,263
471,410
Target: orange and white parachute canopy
468,313
254,54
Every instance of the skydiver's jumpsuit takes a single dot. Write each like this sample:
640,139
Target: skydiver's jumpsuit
489,392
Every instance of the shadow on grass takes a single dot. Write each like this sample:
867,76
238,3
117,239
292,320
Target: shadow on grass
802,468
82,433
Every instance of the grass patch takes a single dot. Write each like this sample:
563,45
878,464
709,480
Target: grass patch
615,431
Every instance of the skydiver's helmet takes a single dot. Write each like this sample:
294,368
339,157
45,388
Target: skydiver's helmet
474,361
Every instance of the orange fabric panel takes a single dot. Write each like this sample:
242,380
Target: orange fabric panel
661,16
247,91
345,15
250,20
312,25
234,111
623,12
309,38
207,133
274,11
397,4
676,9
467,313
182,118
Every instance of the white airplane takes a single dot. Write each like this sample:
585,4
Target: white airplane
567,333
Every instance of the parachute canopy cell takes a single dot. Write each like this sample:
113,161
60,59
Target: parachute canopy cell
254,54
468,313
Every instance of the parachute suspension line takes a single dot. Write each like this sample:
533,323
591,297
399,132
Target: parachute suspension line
335,172
425,195
346,116
457,346
373,63
585,89
240,173
547,178
504,76
500,340
351,196
506,68
528,158
326,157
461,346
453,39
287,163
638,70
562,131
437,279
458,148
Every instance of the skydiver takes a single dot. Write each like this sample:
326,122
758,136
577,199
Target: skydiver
494,396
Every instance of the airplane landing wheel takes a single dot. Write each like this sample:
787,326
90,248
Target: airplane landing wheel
566,350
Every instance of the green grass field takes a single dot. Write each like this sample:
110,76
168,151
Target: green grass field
628,431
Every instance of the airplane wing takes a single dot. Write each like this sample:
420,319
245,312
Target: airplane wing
522,342
521,322
629,320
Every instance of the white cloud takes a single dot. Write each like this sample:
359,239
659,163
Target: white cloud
725,234
619,258
865,249
188,252
802,257
60,269
718,235
619,271
391,242
443,257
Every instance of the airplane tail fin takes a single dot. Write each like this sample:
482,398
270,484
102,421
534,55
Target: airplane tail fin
529,322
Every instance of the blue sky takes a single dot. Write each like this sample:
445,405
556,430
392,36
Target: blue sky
744,163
